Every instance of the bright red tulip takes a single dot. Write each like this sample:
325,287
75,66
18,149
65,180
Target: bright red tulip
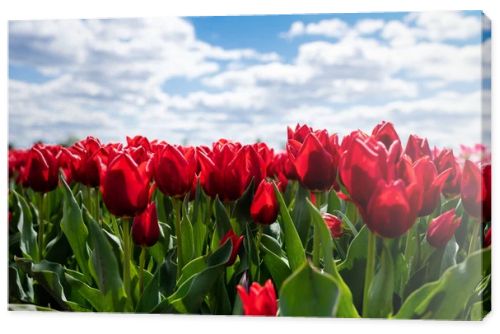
125,186
174,170
446,160
316,163
486,174
91,158
300,133
473,190
431,183
417,148
392,209
145,228
384,132
259,300
264,207
334,224
235,241
442,228
276,169
41,170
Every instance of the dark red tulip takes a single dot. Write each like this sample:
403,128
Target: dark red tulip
473,191
276,169
145,228
17,161
334,224
417,148
236,243
91,158
431,183
300,133
259,300
264,207
487,238
442,228
125,186
174,170
384,132
486,174
40,172
391,210
316,162
446,160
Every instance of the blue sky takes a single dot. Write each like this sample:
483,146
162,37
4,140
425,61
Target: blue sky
194,80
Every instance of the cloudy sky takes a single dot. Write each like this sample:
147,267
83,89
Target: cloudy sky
194,80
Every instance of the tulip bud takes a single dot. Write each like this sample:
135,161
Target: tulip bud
385,133
41,170
442,228
472,189
431,183
264,207
486,175
446,160
259,300
90,158
487,238
417,148
145,228
334,224
125,186
235,241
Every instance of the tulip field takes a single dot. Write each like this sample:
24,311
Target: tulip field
368,225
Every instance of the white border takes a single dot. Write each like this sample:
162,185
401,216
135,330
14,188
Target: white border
21,322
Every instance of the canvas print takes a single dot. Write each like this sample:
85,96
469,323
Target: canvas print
329,165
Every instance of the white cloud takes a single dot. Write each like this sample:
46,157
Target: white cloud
334,28
369,26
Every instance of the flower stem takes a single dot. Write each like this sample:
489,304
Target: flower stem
142,262
177,212
41,224
126,256
474,236
316,248
370,269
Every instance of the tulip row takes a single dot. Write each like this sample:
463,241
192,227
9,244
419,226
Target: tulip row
361,226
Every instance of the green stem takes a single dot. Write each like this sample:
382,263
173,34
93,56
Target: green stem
475,232
370,269
316,247
41,222
177,211
142,262
126,256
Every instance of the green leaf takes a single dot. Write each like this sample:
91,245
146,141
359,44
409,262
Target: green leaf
189,296
300,214
150,299
309,293
187,239
29,307
28,241
346,307
446,298
222,223
93,296
105,265
293,245
381,289
276,265
74,228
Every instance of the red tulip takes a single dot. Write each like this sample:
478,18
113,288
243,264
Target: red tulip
392,209
487,238
446,160
276,169
334,224
316,162
431,183
300,133
486,174
145,228
473,190
174,170
259,300
40,172
417,148
90,158
384,132
139,141
264,207
125,186
442,228
235,241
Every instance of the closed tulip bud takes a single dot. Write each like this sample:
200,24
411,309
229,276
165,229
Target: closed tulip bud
145,228
385,133
40,172
235,241
442,228
125,186
334,224
473,190
417,148
264,207
91,158
431,183
174,170
259,300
